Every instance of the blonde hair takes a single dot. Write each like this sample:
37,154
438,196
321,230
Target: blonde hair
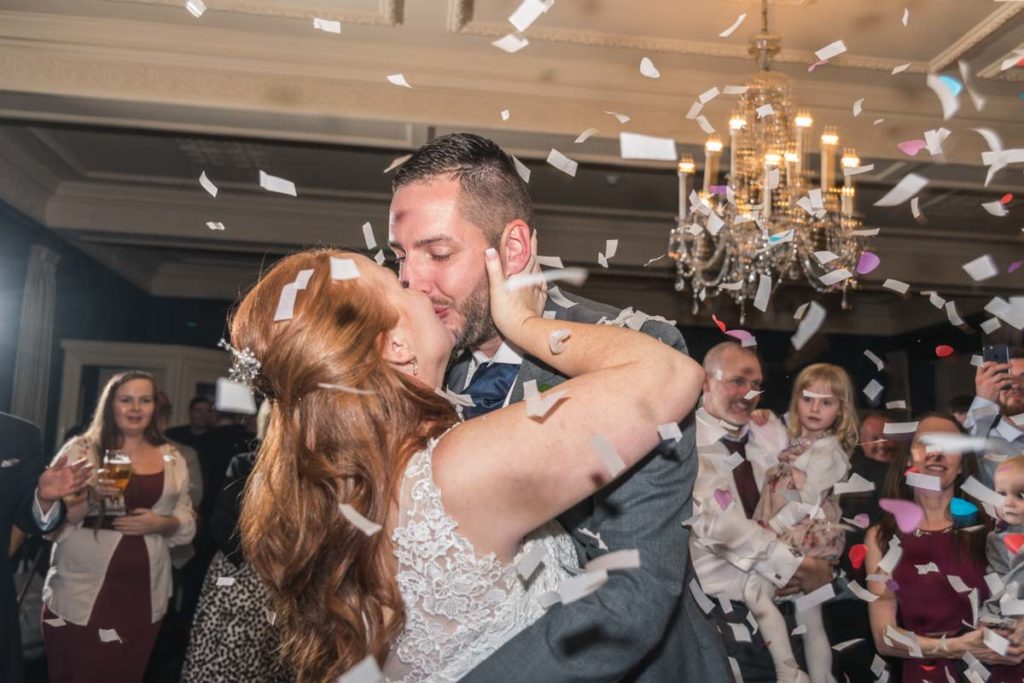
835,378
1015,463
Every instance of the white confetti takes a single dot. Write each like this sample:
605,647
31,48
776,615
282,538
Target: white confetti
801,309
354,518
907,187
527,13
399,80
831,50
511,43
556,341
572,589
611,247
734,90
995,208
857,170
538,404
216,226
560,299
396,162
207,184
991,325
740,633
585,135
995,642
958,584
981,268
973,487
379,257
815,597
930,568
953,315
622,118
949,101
56,622
612,462
764,292
562,162
835,277
574,276
814,394
927,482
669,432
648,69
195,8
858,107
225,581
873,389
899,428
906,16
705,125
707,96
694,110
900,69
550,261
861,592
522,170
896,285
637,146
855,484
735,25
366,671
915,210
530,561
326,25
275,184
701,597
764,110
109,635
879,363
371,243
343,269
505,114
620,559
234,397
809,325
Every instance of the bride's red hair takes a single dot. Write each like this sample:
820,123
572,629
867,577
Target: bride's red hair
332,588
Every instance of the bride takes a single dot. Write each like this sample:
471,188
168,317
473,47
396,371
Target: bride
360,436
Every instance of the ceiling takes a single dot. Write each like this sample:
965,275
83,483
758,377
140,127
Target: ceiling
110,110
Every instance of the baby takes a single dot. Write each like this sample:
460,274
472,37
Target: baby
1002,558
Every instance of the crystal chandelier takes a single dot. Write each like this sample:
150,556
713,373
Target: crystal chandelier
770,224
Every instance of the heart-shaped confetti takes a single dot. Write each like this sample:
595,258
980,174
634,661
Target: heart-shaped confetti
1014,542
723,497
908,514
944,350
892,586
742,335
862,519
857,554
868,262
912,147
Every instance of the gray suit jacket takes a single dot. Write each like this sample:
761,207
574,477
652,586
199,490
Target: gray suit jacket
643,624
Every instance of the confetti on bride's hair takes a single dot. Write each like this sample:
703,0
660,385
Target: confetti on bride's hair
612,462
620,559
234,397
396,162
326,25
530,561
347,390
195,8
399,79
573,276
556,340
274,184
343,269
207,184
366,671
365,525
109,635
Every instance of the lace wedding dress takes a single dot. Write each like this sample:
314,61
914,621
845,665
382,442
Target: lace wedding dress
459,606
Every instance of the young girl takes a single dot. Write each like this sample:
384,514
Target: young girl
822,430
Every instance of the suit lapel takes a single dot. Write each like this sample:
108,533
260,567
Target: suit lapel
455,378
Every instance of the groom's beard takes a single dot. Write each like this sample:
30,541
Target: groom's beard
476,314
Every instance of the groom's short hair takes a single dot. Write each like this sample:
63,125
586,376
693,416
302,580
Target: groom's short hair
492,194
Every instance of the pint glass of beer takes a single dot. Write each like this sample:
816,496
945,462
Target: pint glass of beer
117,467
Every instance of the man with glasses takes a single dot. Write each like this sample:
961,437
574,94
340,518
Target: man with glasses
997,411
726,544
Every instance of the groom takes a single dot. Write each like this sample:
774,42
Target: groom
453,198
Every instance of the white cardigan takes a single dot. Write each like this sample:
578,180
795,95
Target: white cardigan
81,554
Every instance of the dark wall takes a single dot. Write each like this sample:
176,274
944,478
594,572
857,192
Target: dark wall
93,303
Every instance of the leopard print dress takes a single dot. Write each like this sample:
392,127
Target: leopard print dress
232,636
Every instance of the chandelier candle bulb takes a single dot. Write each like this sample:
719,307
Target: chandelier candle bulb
736,124
829,141
685,170
712,150
803,120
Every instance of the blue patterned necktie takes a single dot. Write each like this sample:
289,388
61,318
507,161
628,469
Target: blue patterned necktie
489,387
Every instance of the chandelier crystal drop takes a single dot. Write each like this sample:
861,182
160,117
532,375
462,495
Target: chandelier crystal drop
770,220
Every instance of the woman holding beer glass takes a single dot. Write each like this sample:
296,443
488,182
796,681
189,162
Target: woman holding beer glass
110,577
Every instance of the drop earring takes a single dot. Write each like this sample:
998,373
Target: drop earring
415,367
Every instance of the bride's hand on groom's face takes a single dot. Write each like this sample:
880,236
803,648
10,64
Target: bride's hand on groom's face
511,307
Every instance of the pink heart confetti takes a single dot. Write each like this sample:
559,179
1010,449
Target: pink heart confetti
908,514
1014,266
868,262
723,498
862,519
742,335
912,147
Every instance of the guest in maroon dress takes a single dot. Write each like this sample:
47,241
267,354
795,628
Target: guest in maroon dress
919,603
110,579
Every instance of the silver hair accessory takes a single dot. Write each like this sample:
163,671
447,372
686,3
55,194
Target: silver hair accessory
244,364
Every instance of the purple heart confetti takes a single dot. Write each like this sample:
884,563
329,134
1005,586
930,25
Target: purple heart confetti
868,262
723,498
